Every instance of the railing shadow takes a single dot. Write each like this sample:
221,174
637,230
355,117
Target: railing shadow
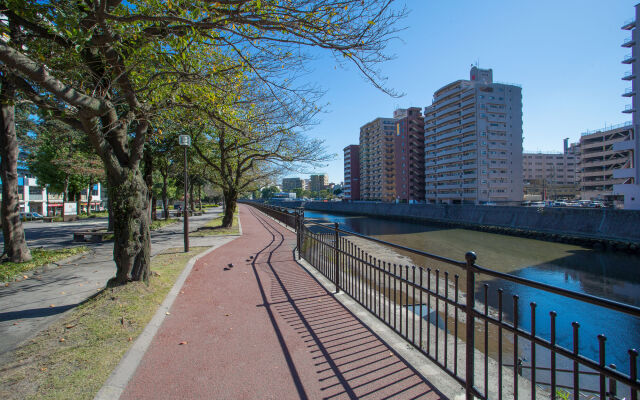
351,361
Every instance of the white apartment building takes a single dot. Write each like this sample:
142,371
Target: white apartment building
629,174
376,160
552,175
473,142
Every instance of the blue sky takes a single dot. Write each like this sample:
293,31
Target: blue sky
565,54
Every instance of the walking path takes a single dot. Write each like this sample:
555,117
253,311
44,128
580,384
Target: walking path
251,323
30,305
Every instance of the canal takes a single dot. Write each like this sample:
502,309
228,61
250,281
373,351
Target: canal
615,276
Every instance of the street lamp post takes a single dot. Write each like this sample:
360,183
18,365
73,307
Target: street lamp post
185,141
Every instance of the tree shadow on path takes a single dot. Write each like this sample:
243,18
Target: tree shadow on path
350,360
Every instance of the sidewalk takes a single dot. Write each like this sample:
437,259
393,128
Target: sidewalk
30,305
251,323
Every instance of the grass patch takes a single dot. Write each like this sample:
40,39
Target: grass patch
9,270
159,223
214,228
96,335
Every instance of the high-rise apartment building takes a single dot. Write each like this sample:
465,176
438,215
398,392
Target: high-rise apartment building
318,182
600,159
473,142
351,188
409,155
291,184
376,160
391,154
629,173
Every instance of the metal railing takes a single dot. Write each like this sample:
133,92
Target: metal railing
453,324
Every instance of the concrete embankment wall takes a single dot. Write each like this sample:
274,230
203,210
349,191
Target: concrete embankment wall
589,226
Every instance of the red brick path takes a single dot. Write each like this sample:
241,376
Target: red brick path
265,329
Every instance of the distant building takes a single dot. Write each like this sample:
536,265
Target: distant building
551,175
318,182
376,160
391,150
473,142
291,184
352,172
629,174
408,154
284,196
36,198
600,158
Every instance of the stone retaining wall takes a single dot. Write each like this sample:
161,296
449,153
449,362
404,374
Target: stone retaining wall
607,228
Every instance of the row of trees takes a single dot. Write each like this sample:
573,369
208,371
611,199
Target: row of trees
127,77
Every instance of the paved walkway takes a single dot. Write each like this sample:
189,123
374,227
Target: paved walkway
251,323
30,305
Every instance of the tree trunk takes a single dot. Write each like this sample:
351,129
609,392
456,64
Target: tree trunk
200,197
165,198
89,197
65,195
148,176
191,199
154,208
129,203
230,199
78,203
15,245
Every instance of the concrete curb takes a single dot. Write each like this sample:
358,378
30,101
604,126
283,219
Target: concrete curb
120,376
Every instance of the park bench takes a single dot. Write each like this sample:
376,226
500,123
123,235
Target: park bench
95,236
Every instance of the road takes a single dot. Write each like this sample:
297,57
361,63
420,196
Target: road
56,234
30,305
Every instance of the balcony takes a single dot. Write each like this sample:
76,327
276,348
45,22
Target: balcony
628,76
628,92
454,99
467,102
448,118
628,42
628,109
471,156
468,129
628,25
445,187
449,135
628,59
446,93
448,109
447,127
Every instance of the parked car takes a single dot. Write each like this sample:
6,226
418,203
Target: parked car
28,216
559,203
537,204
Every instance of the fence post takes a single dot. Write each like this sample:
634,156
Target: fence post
337,256
300,231
470,257
297,229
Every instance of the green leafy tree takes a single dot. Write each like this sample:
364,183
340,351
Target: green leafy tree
268,192
111,69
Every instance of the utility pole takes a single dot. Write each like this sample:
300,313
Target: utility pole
185,141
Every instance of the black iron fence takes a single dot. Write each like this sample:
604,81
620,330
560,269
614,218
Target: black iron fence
448,318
